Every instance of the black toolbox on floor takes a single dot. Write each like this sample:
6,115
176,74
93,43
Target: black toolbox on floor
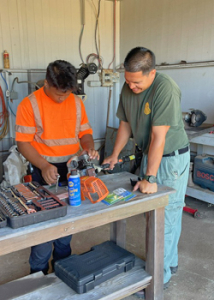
83,272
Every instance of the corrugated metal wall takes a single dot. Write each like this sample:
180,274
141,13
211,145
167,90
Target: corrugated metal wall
175,30
36,32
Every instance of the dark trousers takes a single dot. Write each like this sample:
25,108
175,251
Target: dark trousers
40,254
62,170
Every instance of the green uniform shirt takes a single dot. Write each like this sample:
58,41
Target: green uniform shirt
159,105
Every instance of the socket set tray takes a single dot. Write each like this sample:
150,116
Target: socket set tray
29,203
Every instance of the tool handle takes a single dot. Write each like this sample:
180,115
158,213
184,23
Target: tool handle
29,210
121,161
105,166
126,158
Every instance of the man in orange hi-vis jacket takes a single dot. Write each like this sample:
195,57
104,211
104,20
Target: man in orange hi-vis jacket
51,127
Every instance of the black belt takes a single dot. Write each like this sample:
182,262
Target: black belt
180,151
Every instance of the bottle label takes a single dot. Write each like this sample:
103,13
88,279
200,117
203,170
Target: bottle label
74,191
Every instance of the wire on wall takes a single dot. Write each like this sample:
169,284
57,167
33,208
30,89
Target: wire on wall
92,56
82,30
96,28
115,2
4,117
8,103
26,81
108,110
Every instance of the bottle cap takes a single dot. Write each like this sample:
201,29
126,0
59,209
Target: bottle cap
73,172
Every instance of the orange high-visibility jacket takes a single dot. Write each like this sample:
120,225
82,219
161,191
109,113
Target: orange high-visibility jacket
53,129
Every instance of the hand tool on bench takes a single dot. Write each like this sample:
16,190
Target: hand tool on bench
57,182
29,210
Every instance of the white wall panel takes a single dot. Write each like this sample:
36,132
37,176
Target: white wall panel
175,30
197,86
36,32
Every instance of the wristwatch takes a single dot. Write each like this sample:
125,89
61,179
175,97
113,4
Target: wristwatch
150,178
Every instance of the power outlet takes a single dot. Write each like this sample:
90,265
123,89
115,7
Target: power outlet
108,77
13,95
115,77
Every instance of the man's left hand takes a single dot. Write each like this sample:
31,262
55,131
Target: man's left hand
145,187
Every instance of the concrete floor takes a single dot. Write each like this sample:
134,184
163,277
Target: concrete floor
195,277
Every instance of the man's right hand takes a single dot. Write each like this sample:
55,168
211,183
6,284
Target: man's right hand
49,173
145,187
112,160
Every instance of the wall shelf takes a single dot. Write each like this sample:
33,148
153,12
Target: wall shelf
200,193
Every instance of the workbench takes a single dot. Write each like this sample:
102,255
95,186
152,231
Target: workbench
200,136
87,216
194,132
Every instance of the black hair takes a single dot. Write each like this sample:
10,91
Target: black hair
140,59
61,75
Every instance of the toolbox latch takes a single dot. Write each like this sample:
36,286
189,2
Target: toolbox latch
89,286
129,266
98,276
120,265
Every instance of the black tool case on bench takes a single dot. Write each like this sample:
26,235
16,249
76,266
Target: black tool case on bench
3,220
41,216
83,272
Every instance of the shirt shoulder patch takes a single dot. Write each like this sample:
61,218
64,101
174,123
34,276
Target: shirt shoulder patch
147,110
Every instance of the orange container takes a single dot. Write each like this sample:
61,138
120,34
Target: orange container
93,188
6,60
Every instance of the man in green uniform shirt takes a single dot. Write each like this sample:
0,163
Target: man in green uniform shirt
149,109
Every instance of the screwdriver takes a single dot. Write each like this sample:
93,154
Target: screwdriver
57,182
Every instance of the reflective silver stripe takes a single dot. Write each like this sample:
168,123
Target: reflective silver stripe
37,115
57,159
60,159
58,142
25,129
85,126
40,130
78,113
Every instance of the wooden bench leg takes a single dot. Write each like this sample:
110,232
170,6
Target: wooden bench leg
118,233
155,253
